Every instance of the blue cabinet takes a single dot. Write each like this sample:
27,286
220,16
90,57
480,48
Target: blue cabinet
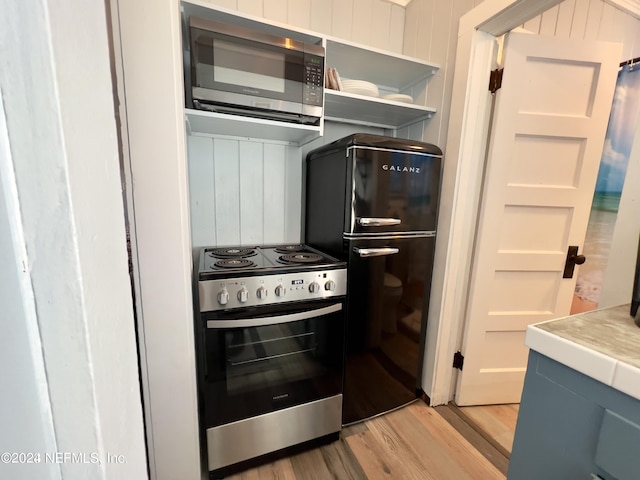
571,426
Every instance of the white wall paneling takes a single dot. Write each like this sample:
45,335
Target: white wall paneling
272,208
580,15
363,14
439,49
380,24
593,19
70,369
396,29
253,191
251,7
201,191
226,179
321,16
342,18
565,18
548,21
299,13
612,24
276,10
243,192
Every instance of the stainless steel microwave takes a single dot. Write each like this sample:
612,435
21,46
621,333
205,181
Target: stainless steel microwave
233,69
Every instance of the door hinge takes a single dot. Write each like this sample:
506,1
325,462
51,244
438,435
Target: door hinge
458,360
495,80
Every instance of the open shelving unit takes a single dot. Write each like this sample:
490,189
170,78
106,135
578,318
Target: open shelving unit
392,73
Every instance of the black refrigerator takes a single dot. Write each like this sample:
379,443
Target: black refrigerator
373,201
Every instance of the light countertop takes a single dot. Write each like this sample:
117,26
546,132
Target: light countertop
603,344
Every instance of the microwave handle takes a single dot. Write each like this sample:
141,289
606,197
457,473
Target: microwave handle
375,252
378,222
262,321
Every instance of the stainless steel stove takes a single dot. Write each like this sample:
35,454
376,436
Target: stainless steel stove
270,330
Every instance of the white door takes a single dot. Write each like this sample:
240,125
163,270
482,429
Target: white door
547,136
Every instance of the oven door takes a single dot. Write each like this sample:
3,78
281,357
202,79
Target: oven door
262,360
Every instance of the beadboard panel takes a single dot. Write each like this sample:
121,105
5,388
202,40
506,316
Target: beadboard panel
226,189
252,192
591,20
243,192
362,21
276,10
375,23
342,18
201,187
299,14
273,205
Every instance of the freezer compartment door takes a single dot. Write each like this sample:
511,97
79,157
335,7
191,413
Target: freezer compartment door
388,294
393,191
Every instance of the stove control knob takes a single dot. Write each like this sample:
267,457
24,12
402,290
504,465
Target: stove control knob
223,296
261,293
243,295
314,287
280,291
330,286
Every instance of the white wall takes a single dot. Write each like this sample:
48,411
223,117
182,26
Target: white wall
149,62
243,192
376,23
25,416
67,231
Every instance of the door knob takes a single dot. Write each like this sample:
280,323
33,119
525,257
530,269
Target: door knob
573,259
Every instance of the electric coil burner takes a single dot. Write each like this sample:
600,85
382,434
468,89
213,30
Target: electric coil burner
271,330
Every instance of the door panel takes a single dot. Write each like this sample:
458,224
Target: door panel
546,142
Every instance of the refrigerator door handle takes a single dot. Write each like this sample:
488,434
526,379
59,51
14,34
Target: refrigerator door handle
378,222
375,252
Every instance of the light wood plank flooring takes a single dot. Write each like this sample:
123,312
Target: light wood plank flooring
496,422
414,442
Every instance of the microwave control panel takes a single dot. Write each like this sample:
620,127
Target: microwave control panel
314,79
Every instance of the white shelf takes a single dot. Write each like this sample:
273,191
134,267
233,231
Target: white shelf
360,109
390,71
212,123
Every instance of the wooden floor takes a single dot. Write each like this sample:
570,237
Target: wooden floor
414,442
497,422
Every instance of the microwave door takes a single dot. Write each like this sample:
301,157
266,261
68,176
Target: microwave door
245,72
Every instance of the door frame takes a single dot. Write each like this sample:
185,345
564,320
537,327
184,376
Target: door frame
463,175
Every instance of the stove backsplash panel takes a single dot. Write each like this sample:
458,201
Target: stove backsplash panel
243,192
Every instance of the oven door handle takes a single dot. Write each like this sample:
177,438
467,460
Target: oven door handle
375,252
262,321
